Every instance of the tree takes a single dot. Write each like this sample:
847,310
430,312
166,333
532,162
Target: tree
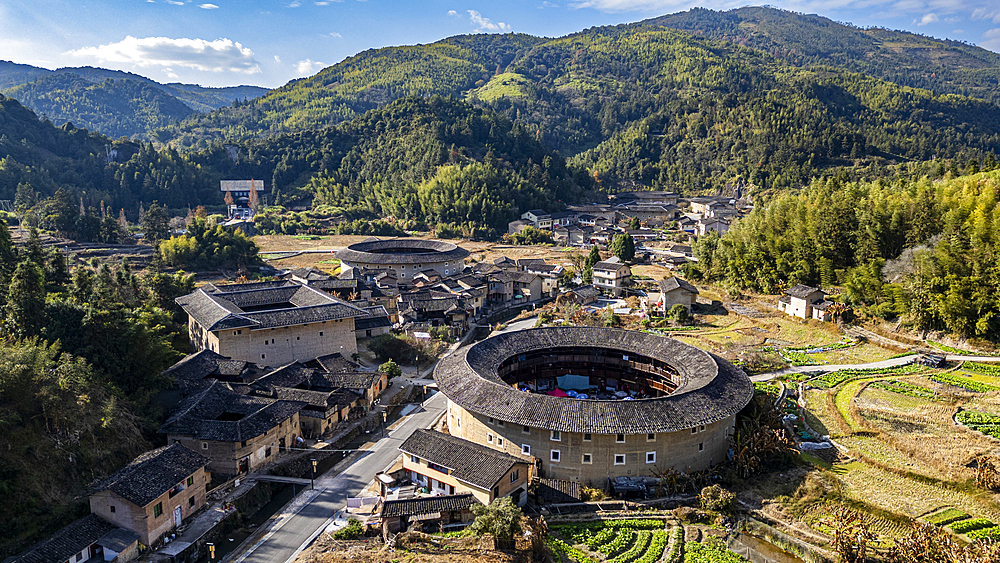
623,246
679,313
25,309
852,538
593,258
391,369
501,519
156,224
634,223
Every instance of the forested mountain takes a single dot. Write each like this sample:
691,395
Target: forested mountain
644,105
112,102
909,59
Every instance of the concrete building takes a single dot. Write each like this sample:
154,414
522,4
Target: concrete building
712,225
449,465
539,219
673,291
404,256
612,278
447,511
155,493
805,302
270,323
237,433
648,402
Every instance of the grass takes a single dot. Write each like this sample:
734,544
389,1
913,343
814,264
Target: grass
843,402
505,85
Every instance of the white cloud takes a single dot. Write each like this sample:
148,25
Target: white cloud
221,55
986,14
991,40
175,3
294,4
322,3
335,35
452,13
308,66
208,6
928,18
277,59
485,24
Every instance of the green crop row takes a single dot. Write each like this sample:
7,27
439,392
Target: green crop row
835,378
985,533
642,541
976,418
618,544
656,547
964,526
676,551
767,388
712,552
988,369
963,382
904,388
797,358
946,516
573,553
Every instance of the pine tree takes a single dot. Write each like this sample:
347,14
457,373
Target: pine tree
254,199
25,309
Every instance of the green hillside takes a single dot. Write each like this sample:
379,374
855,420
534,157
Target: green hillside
941,65
112,102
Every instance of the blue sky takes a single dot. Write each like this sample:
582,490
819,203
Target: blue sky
269,42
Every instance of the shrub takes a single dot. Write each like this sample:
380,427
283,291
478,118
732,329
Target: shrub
717,499
391,369
352,530
964,526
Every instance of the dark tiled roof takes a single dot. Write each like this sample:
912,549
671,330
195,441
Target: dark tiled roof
484,268
198,415
402,251
309,274
563,215
552,491
587,291
118,540
430,304
822,305
218,309
377,317
204,364
710,388
427,505
67,542
470,462
518,277
153,473
672,283
530,262
333,363
230,287
326,400
538,212
801,291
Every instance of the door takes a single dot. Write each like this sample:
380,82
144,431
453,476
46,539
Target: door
177,516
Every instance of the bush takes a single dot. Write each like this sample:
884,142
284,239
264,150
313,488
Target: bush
352,530
588,494
391,369
679,313
391,347
717,499
964,526
501,519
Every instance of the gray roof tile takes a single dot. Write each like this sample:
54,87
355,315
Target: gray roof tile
427,505
470,462
153,473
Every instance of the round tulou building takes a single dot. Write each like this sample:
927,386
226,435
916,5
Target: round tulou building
591,404
406,256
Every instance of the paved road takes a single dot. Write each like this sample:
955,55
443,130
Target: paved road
295,532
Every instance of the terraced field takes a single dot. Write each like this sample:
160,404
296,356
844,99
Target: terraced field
617,541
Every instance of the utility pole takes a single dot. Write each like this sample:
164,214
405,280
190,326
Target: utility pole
313,478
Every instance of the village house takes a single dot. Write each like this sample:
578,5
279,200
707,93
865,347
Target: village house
155,493
376,323
805,302
87,539
237,433
539,219
514,288
583,295
447,511
673,291
515,227
647,197
447,465
563,218
712,225
328,373
612,277
269,323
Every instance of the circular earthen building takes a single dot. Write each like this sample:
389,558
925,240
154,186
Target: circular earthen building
405,256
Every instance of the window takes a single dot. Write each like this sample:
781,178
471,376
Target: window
701,428
525,449
586,437
112,509
513,477
414,459
489,438
694,430
525,430
262,356
191,502
496,492
587,459
267,452
701,446
555,437
157,510
190,481
650,437
620,439
204,445
321,333
459,420
650,457
296,338
554,455
499,441
489,420
500,423
619,459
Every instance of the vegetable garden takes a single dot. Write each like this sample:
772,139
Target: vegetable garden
628,541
